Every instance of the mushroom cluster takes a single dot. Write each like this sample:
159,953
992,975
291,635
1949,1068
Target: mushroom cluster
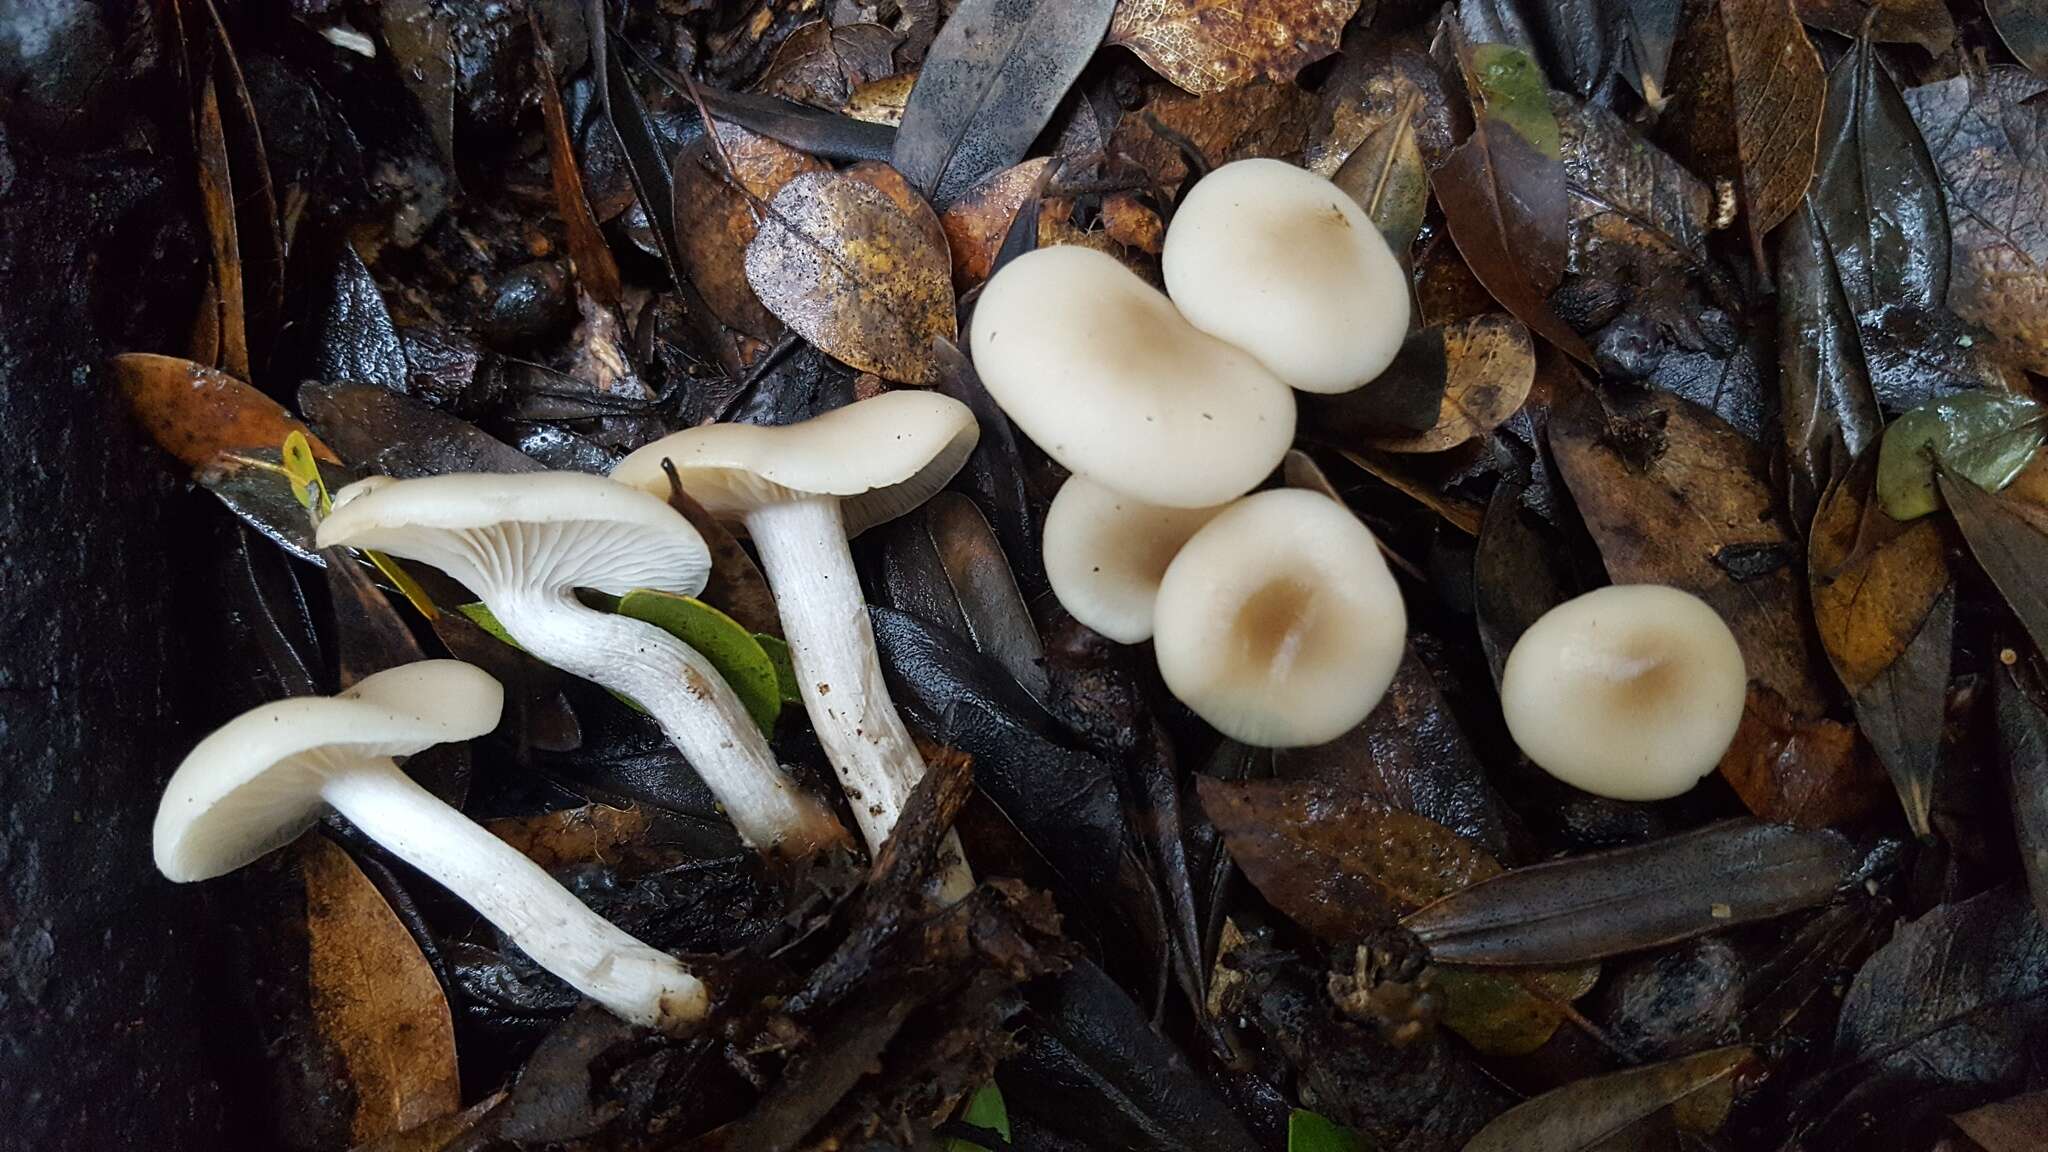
1273,616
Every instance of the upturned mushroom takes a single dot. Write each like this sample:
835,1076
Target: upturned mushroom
1632,692
524,543
1278,621
1284,264
1097,367
1105,553
801,491
264,777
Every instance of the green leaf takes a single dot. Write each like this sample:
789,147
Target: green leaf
1512,87
733,650
985,1110
1308,1132
785,672
480,615
1987,436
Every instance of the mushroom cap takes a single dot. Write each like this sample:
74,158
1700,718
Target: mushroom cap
533,530
1632,692
1096,366
1278,622
254,784
1286,265
1105,553
881,456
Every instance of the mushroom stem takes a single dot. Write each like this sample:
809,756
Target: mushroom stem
804,554
695,707
631,979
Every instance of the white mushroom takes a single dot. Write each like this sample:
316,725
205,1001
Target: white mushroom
1105,553
801,491
1285,265
1096,367
1632,692
1278,622
263,778
524,543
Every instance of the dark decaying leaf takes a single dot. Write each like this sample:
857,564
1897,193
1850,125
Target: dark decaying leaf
1379,79
382,432
2023,25
1520,570
1403,401
1637,216
1923,22
943,563
2012,1125
258,234
719,191
851,270
995,475
256,488
1880,608
826,135
1093,1069
1949,1014
351,335
217,194
977,222
1504,196
1746,103
1575,40
989,85
596,269
1828,411
1385,174
1208,46
1586,1114
2010,547
1258,120
2023,747
196,413
1587,907
1985,132
1986,437
1490,365
647,160
1801,770
1666,488
375,999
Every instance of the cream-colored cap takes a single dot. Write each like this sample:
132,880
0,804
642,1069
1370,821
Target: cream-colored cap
1285,265
1105,553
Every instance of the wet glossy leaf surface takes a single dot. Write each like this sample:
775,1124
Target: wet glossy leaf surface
1984,437
1587,1114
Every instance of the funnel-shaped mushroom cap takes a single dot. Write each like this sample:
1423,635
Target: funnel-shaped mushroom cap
881,457
1279,623
1105,553
534,530
1097,368
1632,692
254,784
1285,265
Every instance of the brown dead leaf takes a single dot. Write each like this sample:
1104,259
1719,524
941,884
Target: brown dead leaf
2016,1124
848,269
821,65
1787,769
976,223
1491,365
1874,579
1129,222
196,413
715,220
1673,495
882,101
736,586
596,269
1212,45
217,196
1367,91
889,182
1638,218
375,999
592,833
1260,120
1385,174
1923,22
1446,291
1747,103
1409,476
1987,135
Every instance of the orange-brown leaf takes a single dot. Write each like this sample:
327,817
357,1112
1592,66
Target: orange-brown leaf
195,412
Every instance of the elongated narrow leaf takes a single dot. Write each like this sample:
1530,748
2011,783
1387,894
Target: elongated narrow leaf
1830,413
380,431
2023,746
1586,907
1582,1116
1386,175
596,269
826,135
989,86
2011,550
196,413
1985,436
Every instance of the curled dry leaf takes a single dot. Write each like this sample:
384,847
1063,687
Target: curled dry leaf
976,223
1490,365
1986,133
196,413
1747,105
716,220
846,267
1586,1114
1629,899
1210,45
375,999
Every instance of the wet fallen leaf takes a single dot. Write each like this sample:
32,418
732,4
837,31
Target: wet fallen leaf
1666,488
976,223
2023,25
1986,437
2009,545
1386,176
196,413
1520,570
1800,770
351,331
217,194
1504,196
882,101
1585,1115
2023,747
1747,104
1923,22
736,587
1638,217
1209,45
1587,907
716,220
1490,366
1374,80
989,85
731,649
843,265
591,833
826,135
1258,120
2011,1125
821,64
375,999
382,432
422,46
1309,1132
970,573
1985,134
1403,401
596,269
1829,412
